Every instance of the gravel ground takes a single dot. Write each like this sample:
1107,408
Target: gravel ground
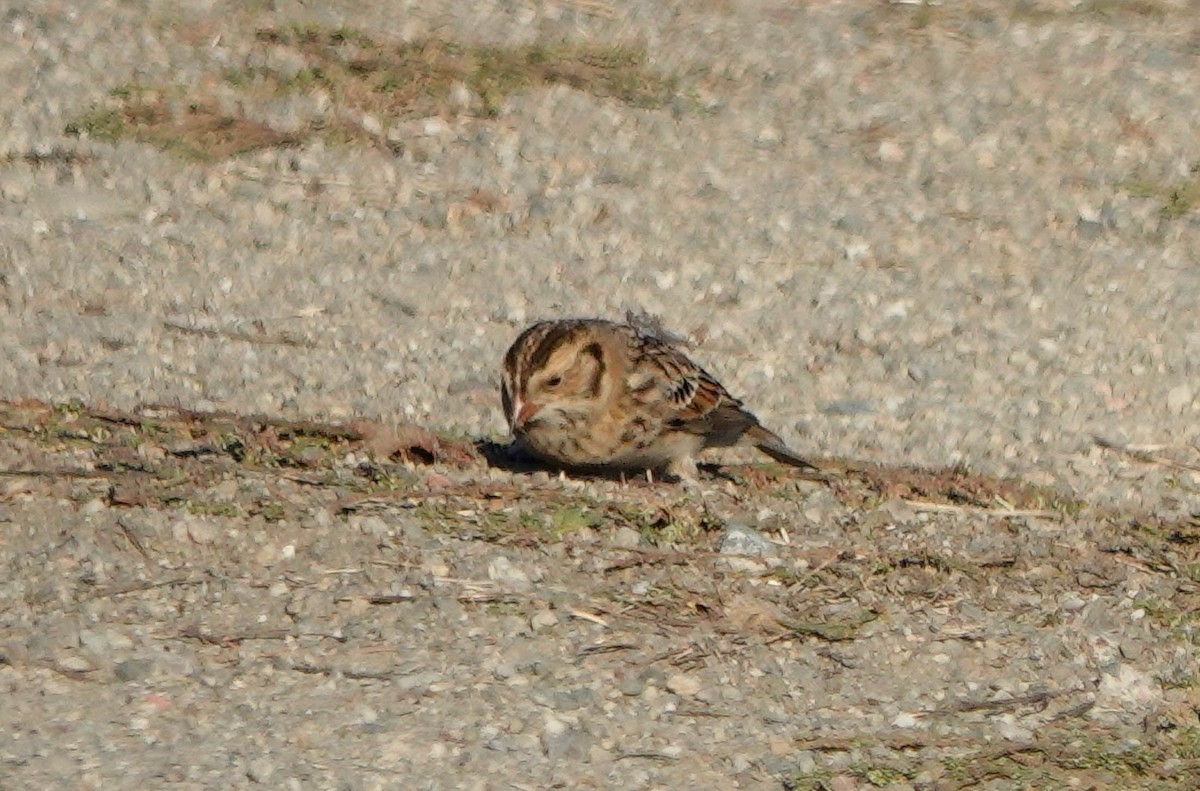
939,236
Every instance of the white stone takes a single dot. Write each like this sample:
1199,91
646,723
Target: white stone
683,685
1179,398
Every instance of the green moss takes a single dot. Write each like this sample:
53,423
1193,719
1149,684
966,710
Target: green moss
568,519
883,775
226,508
100,123
271,510
1103,755
809,781
1178,199
1186,744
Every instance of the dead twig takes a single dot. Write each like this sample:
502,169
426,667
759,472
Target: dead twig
74,675
1004,704
352,673
654,755
132,537
584,615
266,339
136,587
604,648
196,632
388,598
77,474
1142,455
896,740
695,711
998,513
650,557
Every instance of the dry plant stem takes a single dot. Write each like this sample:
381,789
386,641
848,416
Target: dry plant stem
1143,456
1006,513
265,339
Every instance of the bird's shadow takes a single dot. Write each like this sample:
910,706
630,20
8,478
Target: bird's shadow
511,457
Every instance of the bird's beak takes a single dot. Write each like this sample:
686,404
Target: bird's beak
522,412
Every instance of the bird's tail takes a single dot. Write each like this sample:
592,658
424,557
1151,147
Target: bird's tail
770,443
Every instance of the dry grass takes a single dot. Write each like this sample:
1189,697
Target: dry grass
362,77
419,78
195,130
963,19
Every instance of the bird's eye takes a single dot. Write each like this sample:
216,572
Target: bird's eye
554,381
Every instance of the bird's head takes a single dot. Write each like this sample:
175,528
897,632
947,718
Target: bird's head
553,371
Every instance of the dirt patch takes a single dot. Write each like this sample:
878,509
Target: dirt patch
347,522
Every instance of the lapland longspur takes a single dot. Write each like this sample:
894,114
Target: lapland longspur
597,394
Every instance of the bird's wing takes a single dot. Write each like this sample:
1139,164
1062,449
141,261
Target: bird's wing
696,402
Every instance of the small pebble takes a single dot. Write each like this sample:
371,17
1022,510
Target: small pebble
741,539
502,571
260,770
625,537
683,685
133,669
631,686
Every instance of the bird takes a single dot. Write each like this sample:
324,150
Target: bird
604,395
